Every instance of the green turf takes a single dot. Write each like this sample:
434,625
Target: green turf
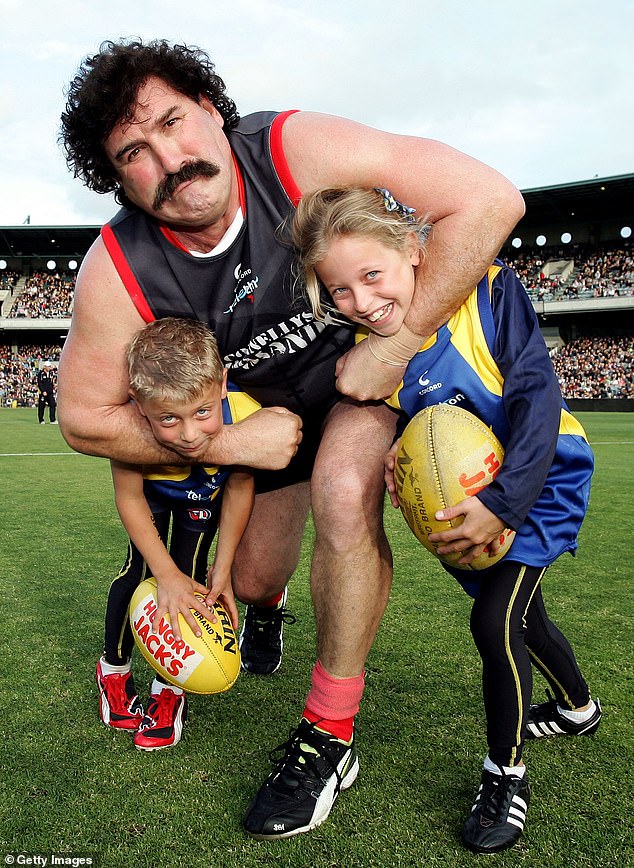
70,786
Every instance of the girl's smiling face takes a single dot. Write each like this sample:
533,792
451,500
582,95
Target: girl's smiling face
370,283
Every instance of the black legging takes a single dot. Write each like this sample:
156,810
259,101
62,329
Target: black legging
510,628
189,551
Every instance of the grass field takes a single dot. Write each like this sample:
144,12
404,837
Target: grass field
70,786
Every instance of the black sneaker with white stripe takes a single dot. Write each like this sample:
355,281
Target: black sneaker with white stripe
498,814
546,720
301,790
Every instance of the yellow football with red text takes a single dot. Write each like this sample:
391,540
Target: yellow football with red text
209,663
445,455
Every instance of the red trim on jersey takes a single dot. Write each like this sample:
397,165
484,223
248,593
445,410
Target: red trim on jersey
279,159
126,274
240,182
172,238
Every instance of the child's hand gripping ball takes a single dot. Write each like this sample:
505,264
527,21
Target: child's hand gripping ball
206,664
445,455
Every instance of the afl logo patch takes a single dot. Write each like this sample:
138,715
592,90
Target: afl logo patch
199,514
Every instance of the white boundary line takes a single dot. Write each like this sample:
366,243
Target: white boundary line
611,442
33,454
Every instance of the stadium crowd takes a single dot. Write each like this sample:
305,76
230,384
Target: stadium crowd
45,296
586,367
9,280
18,372
598,272
598,367
603,272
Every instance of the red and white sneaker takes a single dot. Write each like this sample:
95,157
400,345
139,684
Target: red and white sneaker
119,704
162,724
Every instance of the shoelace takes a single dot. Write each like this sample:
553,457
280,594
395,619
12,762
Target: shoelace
115,687
490,796
161,710
292,760
495,795
266,621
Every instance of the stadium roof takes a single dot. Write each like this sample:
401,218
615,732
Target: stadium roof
46,241
597,201
581,202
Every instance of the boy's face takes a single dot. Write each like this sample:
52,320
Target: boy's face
187,428
370,283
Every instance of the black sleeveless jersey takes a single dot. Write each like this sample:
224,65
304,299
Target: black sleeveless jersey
275,350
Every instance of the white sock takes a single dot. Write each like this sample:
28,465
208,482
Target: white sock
157,686
516,771
109,669
577,716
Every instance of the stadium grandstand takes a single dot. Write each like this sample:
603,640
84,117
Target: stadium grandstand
573,250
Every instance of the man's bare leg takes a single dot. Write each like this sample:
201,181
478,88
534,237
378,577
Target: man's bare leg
350,582
266,559
352,563
269,550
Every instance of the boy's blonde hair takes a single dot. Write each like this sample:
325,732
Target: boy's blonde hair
174,359
334,211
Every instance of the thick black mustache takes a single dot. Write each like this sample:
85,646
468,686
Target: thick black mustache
197,169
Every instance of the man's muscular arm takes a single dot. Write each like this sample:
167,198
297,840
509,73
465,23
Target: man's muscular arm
473,209
96,416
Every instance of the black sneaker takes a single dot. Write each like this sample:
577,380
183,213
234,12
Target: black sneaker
546,720
261,638
499,813
302,788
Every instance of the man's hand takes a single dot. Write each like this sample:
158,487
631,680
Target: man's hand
265,440
363,377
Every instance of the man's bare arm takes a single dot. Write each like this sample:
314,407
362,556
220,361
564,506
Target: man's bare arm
96,415
472,206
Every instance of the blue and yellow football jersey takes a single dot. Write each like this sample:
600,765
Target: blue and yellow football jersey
490,359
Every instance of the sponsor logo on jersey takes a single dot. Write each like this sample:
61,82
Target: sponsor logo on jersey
286,338
190,494
458,398
428,387
246,284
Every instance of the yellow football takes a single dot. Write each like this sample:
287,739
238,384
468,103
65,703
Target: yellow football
445,455
206,664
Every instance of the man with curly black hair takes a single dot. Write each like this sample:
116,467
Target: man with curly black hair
205,195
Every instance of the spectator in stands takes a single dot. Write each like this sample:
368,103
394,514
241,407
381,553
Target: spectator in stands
18,372
46,385
599,367
44,296
603,272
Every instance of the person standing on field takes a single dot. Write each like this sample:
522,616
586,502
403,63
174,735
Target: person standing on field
46,387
